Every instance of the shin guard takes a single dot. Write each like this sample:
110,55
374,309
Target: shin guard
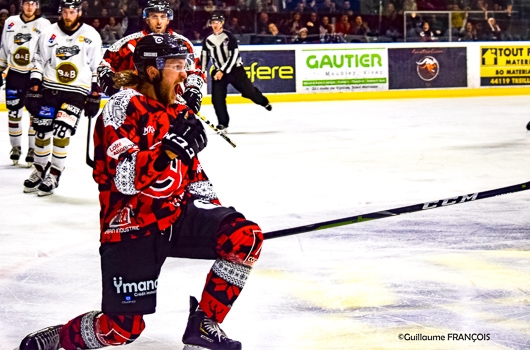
239,246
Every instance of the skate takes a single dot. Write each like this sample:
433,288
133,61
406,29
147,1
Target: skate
32,183
203,333
14,155
50,183
268,107
45,339
528,126
30,157
222,128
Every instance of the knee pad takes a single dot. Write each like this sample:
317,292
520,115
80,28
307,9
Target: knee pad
240,241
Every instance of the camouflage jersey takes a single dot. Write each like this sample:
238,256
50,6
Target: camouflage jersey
141,189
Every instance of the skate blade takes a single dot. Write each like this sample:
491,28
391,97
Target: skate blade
193,347
30,190
29,164
15,162
44,194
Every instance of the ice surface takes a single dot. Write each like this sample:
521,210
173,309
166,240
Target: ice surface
459,269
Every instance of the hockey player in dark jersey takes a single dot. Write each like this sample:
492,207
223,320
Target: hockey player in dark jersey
119,56
157,202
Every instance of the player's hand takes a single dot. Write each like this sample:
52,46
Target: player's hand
92,104
106,81
193,98
33,100
186,138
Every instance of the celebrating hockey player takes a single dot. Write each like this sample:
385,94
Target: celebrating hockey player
221,47
63,84
119,56
19,43
156,202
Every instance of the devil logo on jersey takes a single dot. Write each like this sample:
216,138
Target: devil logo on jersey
428,68
22,38
65,52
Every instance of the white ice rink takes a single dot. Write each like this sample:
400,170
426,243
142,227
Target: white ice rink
462,269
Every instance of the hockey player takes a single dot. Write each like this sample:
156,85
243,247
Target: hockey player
63,84
157,202
221,47
118,57
19,43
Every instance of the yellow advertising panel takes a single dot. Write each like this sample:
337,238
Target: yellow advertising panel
505,65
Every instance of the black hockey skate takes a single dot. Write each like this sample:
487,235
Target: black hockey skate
50,182
203,333
14,155
30,157
34,180
268,107
45,339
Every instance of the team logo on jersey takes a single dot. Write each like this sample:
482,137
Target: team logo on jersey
22,38
123,218
52,38
66,73
65,52
10,25
21,56
83,39
428,68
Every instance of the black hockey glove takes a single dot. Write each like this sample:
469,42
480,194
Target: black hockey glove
92,103
186,138
33,99
106,80
193,98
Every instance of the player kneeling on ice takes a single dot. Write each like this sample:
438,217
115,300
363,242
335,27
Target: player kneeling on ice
157,202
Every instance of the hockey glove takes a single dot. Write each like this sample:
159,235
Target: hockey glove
193,98
92,103
106,80
186,138
33,102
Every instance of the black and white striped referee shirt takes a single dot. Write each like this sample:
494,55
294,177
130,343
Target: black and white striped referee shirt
223,50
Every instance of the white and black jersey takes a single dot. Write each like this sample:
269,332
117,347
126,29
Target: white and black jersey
222,49
68,61
19,42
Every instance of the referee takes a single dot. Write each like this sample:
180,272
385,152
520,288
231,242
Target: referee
221,47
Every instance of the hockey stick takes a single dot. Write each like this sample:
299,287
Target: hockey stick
397,211
90,162
219,132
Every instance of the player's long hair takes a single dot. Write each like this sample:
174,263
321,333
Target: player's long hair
127,78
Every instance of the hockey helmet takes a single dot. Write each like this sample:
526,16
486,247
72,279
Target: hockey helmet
69,4
37,2
217,17
155,49
158,6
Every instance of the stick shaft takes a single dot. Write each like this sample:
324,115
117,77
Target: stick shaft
219,132
397,211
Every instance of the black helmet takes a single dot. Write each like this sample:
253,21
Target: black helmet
158,6
154,49
69,4
217,17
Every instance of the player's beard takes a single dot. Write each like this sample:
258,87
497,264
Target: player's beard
71,25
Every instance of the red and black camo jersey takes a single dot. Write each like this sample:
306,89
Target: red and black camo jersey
135,197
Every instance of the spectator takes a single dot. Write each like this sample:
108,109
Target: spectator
301,38
323,28
495,32
346,9
295,24
468,32
344,26
113,31
391,23
360,27
96,23
263,23
196,37
266,6
409,5
4,13
234,26
327,7
13,9
275,37
313,25
427,34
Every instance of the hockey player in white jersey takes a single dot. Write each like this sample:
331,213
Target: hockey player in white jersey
63,85
19,43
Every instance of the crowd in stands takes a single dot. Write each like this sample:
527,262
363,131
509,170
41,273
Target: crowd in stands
305,21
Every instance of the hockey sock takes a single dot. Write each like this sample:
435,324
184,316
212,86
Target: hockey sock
15,127
95,330
239,246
